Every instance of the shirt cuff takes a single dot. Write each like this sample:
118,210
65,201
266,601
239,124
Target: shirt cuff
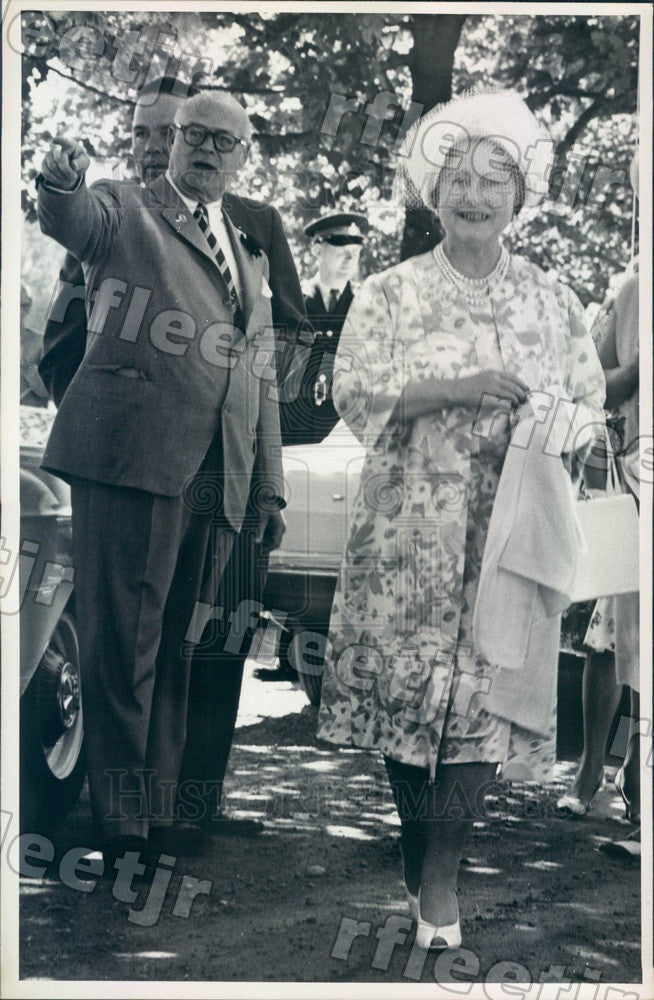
41,182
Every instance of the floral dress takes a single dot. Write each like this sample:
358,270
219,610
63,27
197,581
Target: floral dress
401,675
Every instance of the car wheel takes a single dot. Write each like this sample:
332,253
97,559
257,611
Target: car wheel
51,733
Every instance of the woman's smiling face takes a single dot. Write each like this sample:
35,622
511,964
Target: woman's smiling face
477,192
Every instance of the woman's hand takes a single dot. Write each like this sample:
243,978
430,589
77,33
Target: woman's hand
430,394
471,390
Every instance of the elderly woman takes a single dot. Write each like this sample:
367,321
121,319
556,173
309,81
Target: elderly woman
437,358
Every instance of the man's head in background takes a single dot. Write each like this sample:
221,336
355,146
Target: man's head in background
337,243
156,106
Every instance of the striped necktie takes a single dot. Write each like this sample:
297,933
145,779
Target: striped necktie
202,218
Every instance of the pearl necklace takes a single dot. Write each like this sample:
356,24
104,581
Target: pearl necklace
474,289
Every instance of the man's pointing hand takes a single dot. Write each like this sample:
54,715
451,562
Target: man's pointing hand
64,163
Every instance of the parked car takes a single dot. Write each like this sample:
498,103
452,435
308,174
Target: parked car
321,481
52,767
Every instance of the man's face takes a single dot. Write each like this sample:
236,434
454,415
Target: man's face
338,264
150,127
201,171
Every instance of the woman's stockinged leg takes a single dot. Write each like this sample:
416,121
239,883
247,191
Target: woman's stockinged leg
631,766
410,789
601,695
455,800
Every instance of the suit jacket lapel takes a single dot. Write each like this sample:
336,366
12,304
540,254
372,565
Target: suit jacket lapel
181,220
315,300
343,301
236,211
178,216
249,273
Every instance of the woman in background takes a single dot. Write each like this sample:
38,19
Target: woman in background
614,625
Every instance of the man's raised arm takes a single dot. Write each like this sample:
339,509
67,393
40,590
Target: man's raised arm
84,222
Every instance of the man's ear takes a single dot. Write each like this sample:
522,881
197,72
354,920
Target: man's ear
171,137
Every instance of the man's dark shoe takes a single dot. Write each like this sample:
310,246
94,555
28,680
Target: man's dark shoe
181,839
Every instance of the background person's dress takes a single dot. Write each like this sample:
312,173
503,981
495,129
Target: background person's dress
615,625
402,677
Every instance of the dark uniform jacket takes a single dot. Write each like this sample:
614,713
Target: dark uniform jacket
317,383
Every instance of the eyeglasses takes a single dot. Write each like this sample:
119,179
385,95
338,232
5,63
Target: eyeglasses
223,142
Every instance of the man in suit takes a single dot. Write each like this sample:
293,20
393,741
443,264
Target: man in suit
64,340
216,675
167,430
337,240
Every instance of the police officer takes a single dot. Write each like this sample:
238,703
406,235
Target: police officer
337,241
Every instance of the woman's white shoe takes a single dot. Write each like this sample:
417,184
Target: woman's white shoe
572,805
430,936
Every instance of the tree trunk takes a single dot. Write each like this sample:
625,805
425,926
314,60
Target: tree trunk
435,38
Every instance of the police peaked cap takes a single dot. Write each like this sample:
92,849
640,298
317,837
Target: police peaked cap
338,228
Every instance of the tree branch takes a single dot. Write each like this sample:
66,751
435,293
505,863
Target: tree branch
130,102
89,86
582,121
568,91
242,90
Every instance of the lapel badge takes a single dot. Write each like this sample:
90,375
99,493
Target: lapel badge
181,217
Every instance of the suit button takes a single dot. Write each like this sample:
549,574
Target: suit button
330,333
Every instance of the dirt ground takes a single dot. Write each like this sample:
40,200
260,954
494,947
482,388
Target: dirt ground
282,906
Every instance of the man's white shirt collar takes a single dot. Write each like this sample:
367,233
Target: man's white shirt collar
192,203
218,228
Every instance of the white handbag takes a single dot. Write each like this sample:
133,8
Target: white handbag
608,561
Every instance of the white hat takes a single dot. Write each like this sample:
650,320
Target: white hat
501,116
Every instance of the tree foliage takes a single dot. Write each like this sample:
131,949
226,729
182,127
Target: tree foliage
579,74
293,71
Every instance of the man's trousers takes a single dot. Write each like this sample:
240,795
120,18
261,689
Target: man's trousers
139,561
216,677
